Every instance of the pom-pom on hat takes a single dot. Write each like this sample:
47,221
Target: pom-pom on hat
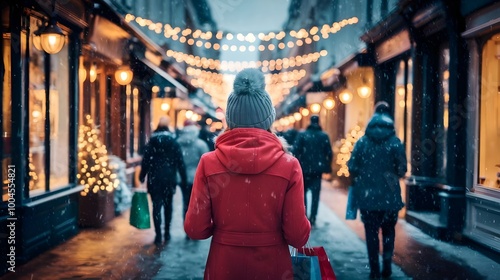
249,105
382,107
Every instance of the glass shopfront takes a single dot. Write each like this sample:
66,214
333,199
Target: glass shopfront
403,105
48,119
6,99
489,115
133,122
442,119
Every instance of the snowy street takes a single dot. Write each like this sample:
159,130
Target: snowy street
119,251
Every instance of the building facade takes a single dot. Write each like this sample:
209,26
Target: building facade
436,63
46,97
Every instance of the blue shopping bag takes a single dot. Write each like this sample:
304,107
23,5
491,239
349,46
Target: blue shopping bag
305,267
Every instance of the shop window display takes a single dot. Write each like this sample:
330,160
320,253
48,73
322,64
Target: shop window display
58,115
403,105
442,121
133,122
489,115
6,111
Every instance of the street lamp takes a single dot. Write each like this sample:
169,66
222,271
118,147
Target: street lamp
124,75
93,72
49,37
82,73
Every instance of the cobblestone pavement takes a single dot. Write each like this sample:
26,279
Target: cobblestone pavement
120,251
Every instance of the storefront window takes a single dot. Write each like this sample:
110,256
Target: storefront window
133,121
57,114
441,129
36,116
489,122
59,125
403,105
6,95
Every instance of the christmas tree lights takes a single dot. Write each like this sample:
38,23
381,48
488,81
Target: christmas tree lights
94,174
345,149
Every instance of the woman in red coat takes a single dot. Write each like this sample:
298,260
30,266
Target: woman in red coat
248,194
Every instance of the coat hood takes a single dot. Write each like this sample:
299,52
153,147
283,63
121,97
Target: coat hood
188,134
248,150
159,137
380,128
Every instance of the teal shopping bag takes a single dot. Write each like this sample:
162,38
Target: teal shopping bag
305,267
139,211
352,206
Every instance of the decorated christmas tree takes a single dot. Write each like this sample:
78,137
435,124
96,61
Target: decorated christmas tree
94,171
344,150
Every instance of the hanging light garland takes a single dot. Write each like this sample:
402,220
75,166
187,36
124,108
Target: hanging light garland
278,85
200,38
236,66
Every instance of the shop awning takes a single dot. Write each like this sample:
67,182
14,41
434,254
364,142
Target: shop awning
203,100
162,79
290,105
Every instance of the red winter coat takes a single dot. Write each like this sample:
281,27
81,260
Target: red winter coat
248,195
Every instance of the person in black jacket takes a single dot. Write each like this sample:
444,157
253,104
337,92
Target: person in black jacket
313,150
161,162
378,161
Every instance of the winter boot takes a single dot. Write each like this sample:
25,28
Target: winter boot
386,268
374,268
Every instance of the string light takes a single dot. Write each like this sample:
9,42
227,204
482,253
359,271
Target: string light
344,149
278,85
198,36
236,66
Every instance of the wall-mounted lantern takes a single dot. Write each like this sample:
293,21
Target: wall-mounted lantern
124,75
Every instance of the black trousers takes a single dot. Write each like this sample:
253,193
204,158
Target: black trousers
186,195
373,221
162,201
312,182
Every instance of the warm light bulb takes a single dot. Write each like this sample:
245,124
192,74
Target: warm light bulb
329,103
305,112
345,96
124,75
297,116
364,91
93,72
315,108
165,107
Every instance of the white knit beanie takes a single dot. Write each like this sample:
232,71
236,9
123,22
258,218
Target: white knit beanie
249,105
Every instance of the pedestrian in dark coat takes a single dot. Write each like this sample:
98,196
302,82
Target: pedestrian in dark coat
248,194
161,162
290,136
192,149
313,149
377,162
207,136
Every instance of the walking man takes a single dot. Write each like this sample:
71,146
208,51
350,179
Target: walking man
313,150
377,162
161,162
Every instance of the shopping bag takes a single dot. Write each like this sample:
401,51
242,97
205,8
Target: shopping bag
305,267
352,207
139,211
325,267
